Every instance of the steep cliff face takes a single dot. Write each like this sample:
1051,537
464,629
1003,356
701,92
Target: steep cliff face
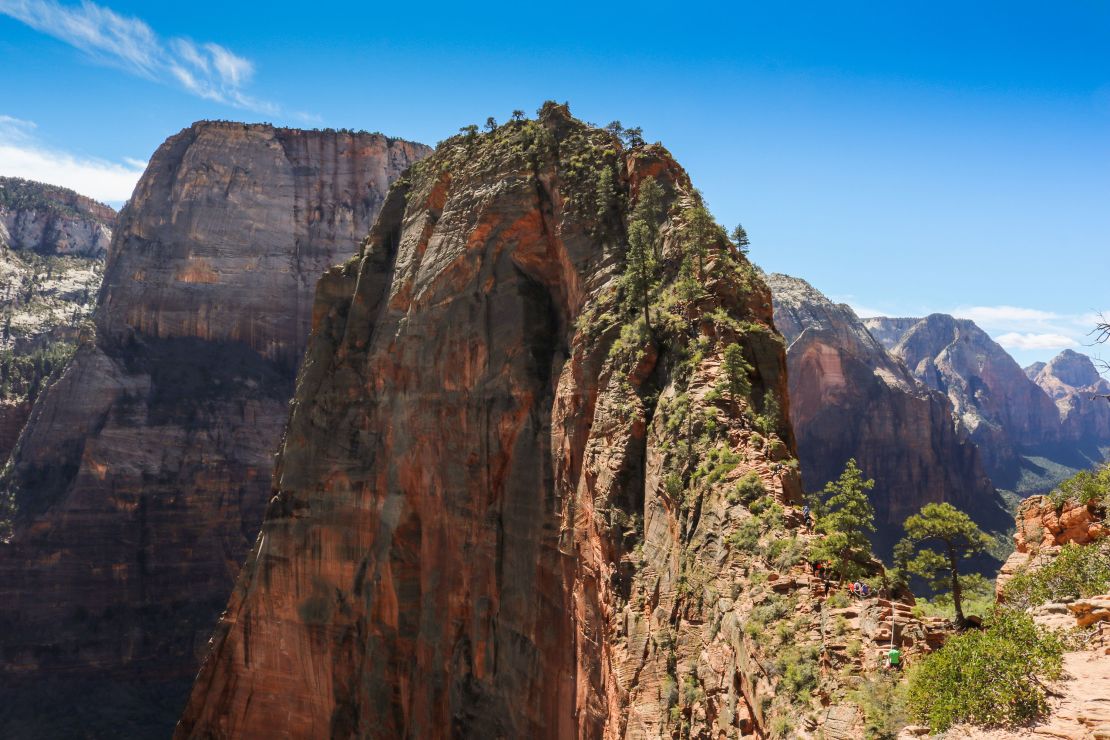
1080,393
849,398
506,506
1007,415
52,247
142,475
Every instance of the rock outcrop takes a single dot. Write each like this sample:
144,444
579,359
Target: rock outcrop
505,506
1006,414
1043,527
52,248
1080,393
143,473
849,398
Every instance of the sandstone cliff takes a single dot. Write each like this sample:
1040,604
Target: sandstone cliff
849,398
143,473
1013,422
505,505
52,247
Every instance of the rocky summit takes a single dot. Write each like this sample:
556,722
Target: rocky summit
850,398
1082,396
507,496
141,478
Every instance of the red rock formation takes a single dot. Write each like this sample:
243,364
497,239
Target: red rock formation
143,474
503,505
849,398
1042,528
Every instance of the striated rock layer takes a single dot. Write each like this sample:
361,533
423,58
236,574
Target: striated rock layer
142,476
849,398
504,504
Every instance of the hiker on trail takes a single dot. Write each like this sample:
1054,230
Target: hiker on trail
864,590
894,659
857,589
805,516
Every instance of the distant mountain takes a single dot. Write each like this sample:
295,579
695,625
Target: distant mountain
1080,393
52,248
1022,433
849,398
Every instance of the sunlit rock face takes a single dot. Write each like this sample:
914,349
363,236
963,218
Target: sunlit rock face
52,248
481,526
849,398
143,473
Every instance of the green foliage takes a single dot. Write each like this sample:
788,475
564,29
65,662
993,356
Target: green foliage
700,234
883,702
737,371
1076,572
718,463
606,192
797,668
987,677
786,552
748,489
22,376
956,536
746,535
976,592
846,517
740,239
1086,487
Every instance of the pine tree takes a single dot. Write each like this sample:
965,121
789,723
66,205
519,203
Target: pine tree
957,538
846,517
740,239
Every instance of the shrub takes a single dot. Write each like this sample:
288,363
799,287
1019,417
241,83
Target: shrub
1077,571
883,704
748,489
987,677
798,668
746,535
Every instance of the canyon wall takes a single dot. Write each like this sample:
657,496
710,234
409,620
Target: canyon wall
849,398
507,504
141,478
52,248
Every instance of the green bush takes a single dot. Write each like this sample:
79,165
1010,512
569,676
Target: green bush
883,703
748,489
797,667
1087,486
1076,572
987,677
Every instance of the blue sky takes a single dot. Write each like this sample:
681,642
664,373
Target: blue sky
903,157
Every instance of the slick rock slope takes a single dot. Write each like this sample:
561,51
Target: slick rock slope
142,476
504,501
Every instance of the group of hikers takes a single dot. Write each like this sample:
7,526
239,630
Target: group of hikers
859,590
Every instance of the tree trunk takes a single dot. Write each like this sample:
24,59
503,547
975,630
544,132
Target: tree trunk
953,562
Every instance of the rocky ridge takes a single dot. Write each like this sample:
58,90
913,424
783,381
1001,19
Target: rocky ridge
849,398
506,504
1080,393
142,475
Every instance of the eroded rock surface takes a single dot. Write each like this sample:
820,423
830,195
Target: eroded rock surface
849,398
142,476
504,506
1080,393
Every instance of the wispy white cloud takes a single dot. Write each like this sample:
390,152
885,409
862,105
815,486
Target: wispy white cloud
1017,340
23,155
207,70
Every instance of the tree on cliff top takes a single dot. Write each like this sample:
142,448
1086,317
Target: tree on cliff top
846,517
957,537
